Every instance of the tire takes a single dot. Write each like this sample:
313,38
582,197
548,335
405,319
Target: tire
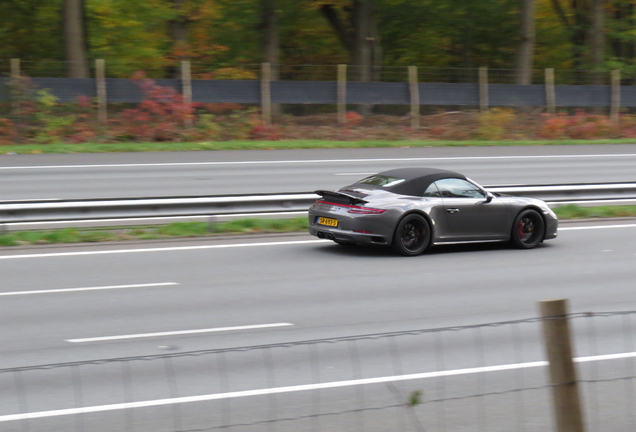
528,229
412,235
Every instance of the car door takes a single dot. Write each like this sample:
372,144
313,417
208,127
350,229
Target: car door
471,213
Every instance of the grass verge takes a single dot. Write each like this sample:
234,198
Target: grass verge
62,148
174,230
203,229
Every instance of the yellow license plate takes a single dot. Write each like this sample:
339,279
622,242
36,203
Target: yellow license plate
327,221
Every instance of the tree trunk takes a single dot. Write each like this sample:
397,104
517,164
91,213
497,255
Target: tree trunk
74,38
597,41
362,41
270,42
579,36
178,28
525,49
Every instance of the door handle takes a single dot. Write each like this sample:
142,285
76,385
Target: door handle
452,210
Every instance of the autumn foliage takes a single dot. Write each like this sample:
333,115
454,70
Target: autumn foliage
36,117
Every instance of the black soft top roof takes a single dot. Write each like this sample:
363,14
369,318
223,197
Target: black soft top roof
417,180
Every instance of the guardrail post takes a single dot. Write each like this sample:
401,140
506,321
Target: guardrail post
100,81
266,93
186,91
342,93
483,89
565,392
550,95
616,95
415,97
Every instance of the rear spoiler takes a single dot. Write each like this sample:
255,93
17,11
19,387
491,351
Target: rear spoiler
340,197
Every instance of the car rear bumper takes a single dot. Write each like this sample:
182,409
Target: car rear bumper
343,236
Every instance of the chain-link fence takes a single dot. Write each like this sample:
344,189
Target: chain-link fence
488,377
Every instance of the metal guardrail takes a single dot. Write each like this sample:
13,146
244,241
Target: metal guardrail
24,212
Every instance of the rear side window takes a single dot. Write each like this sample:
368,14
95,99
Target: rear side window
458,188
432,191
381,180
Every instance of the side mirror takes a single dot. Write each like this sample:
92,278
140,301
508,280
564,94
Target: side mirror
489,197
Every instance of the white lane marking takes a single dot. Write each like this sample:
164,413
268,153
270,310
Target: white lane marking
318,161
161,249
353,174
297,388
177,333
30,199
596,227
111,287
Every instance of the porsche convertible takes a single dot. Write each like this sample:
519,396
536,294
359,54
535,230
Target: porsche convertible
412,209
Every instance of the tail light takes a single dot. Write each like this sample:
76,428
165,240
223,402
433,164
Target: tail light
364,210
354,209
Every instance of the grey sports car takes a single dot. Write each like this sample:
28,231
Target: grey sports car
412,209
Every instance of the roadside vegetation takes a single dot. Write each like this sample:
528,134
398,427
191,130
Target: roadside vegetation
61,148
174,230
243,226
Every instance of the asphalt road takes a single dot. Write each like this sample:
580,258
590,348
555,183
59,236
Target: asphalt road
117,175
65,304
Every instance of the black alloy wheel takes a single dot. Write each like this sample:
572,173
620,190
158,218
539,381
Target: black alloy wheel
528,229
412,235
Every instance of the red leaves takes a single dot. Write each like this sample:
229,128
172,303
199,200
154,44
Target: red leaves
161,116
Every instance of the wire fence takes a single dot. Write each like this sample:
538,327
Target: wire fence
289,72
488,377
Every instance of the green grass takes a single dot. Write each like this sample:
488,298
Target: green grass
573,211
243,226
174,230
62,148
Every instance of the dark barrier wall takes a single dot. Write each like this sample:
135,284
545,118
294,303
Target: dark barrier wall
325,92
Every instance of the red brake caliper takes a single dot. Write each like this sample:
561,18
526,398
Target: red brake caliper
520,229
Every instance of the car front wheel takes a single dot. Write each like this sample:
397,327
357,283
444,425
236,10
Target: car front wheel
528,229
412,235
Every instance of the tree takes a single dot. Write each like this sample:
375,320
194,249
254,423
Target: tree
586,24
359,35
73,12
597,42
270,42
525,47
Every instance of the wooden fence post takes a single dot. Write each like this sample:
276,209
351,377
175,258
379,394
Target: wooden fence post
616,95
483,89
100,81
15,74
15,67
415,97
266,93
565,392
186,90
550,95
342,93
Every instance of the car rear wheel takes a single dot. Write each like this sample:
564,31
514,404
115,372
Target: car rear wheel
528,229
412,235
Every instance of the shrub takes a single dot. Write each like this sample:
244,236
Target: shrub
579,126
161,116
353,118
493,123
